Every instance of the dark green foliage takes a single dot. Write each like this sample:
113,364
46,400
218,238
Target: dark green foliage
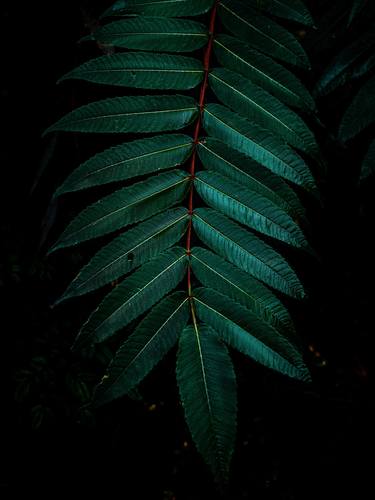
167,8
155,335
294,10
352,62
262,33
246,250
129,250
207,386
154,34
228,173
258,143
217,156
121,208
352,68
130,114
263,71
242,330
356,9
248,207
361,113
135,295
128,160
254,103
215,272
141,70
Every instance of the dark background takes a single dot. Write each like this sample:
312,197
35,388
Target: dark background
292,442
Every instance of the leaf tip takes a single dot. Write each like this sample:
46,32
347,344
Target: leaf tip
81,341
61,79
50,251
86,38
46,131
50,129
58,301
53,249
56,194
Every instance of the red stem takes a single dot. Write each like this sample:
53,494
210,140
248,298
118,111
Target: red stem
202,96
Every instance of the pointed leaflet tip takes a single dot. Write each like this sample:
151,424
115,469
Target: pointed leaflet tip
149,113
207,386
86,38
45,132
58,301
51,251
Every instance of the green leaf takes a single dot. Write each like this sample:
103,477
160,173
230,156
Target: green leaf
262,33
129,250
214,272
360,113
258,143
363,67
167,8
355,10
368,165
215,155
152,113
254,103
134,296
141,70
293,10
243,331
247,161
341,69
153,33
263,71
149,343
246,251
248,208
128,160
207,385
126,206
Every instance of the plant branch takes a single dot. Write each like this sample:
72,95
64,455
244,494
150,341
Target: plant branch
202,97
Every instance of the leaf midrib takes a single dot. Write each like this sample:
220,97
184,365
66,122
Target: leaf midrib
118,115
225,194
245,292
132,250
168,33
274,353
139,291
261,32
195,326
247,174
135,158
267,76
267,151
211,416
214,229
134,358
257,105
126,207
141,70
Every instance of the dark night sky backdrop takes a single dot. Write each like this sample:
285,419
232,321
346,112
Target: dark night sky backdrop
291,445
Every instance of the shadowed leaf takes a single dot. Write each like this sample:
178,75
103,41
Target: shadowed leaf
207,386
